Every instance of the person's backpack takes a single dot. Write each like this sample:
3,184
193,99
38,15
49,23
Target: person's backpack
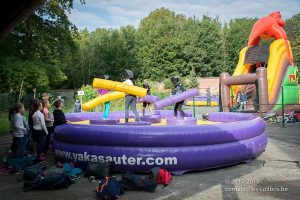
99,170
21,163
108,188
48,182
148,183
70,170
30,173
164,177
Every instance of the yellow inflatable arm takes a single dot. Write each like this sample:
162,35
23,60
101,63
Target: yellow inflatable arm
102,99
122,87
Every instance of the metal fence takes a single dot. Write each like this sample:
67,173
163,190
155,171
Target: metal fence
7,100
283,107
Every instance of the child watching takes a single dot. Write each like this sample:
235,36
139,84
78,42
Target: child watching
40,131
18,129
58,114
145,104
106,104
130,100
178,88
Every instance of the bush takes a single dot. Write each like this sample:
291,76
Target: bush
89,93
168,83
68,105
192,80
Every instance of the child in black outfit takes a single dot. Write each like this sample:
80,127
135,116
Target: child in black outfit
145,104
58,114
178,88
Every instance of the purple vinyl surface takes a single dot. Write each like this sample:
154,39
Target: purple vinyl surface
154,119
181,121
104,122
204,98
176,98
148,99
116,115
177,148
134,124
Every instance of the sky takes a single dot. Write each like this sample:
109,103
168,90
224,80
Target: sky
116,13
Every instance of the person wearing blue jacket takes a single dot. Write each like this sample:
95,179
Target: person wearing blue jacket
243,101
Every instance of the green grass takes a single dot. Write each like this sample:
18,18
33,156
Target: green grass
4,123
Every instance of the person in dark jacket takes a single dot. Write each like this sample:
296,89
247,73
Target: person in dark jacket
145,104
178,88
58,114
32,144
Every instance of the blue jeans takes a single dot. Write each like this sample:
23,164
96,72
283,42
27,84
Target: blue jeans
106,110
130,101
18,147
24,142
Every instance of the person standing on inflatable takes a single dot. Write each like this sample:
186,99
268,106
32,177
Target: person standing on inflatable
145,104
178,88
130,100
106,104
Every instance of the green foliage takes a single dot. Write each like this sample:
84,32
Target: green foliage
43,45
235,36
162,94
104,51
45,51
4,123
89,93
192,79
31,72
168,84
293,31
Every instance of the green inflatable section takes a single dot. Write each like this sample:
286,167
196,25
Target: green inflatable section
290,90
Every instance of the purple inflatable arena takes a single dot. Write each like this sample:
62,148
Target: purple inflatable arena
176,147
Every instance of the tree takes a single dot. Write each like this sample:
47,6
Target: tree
46,51
45,39
236,35
192,79
104,51
159,50
293,31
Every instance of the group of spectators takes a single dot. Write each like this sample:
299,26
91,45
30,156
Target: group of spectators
34,136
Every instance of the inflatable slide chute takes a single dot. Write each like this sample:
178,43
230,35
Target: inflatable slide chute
290,91
176,98
279,63
118,86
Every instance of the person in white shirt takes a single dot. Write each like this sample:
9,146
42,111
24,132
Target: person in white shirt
130,100
40,131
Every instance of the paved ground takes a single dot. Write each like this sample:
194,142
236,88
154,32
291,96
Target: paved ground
276,169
